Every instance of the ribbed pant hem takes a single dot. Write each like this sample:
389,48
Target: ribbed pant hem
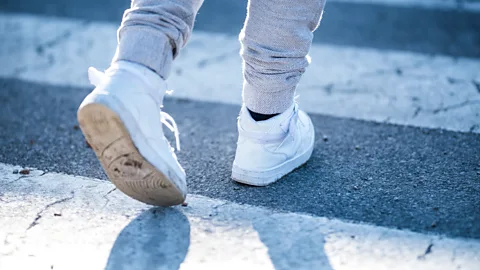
267,102
146,46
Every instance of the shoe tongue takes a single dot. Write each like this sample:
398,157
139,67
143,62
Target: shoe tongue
275,124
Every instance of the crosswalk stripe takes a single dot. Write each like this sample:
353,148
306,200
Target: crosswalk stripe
50,219
385,86
445,4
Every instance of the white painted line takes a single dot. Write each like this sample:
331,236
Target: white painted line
398,87
470,5
67,222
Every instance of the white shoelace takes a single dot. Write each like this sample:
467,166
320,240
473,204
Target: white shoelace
165,118
96,77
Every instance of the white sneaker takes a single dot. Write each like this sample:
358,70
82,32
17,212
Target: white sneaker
268,150
122,121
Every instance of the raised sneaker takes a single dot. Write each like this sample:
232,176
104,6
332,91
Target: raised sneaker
122,122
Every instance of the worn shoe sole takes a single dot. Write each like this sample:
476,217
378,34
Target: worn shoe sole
128,170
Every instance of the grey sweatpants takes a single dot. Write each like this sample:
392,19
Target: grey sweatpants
275,40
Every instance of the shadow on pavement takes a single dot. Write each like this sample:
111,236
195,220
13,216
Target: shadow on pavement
289,247
157,239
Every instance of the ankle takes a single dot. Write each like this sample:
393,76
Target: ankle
259,116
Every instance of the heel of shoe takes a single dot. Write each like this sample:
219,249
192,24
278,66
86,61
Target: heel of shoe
266,177
124,165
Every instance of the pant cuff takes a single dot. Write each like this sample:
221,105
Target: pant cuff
267,102
145,46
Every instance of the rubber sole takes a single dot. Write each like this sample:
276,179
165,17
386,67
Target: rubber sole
128,170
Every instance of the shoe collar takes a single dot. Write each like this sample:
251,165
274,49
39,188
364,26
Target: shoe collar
156,86
147,75
273,130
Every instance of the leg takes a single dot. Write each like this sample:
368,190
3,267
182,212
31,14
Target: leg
153,32
275,42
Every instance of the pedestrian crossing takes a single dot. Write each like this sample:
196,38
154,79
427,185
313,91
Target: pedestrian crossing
436,4
60,220
384,86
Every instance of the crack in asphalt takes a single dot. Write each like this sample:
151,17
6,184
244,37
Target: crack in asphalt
25,176
417,111
455,106
39,214
427,251
40,48
13,181
477,85
218,58
215,209
107,200
474,127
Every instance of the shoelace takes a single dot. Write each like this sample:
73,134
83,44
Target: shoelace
96,77
164,118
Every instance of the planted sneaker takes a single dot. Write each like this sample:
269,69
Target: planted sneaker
122,121
268,150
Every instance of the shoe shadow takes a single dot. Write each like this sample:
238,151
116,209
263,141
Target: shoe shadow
159,238
292,244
